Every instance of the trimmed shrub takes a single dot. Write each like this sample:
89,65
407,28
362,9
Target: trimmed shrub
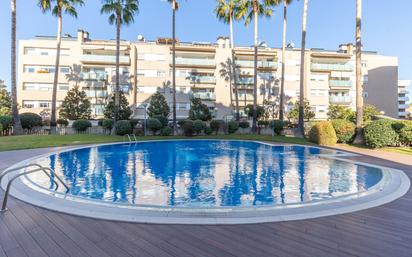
278,126
166,131
30,120
323,133
263,123
1,129
63,122
163,120
187,128
81,125
404,131
46,123
244,124
215,126
232,127
123,127
345,130
180,123
380,133
134,123
198,126
154,125
6,122
208,131
108,124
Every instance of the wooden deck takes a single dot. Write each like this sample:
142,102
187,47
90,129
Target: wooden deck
26,230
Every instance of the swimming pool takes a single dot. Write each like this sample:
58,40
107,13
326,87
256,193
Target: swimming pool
206,178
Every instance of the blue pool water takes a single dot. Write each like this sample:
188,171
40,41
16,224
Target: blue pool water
206,173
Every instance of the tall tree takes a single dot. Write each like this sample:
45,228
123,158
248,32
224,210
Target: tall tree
302,72
175,7
57,7
226,12
75,105
282,82
121,12
253,10
359,89
17,129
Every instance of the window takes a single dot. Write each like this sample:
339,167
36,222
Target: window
35,51
364,64
44,69
365,78
29,104
44,104
151,57
31,86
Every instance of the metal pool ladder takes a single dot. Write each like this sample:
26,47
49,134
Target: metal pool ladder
47,171
129,137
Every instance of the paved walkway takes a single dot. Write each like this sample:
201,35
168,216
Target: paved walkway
386,230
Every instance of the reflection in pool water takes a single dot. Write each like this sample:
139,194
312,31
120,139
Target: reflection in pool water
210,173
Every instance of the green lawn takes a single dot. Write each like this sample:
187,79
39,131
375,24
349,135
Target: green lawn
31,142
404,150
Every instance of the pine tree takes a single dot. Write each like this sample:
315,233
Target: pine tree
124,112
199,111
75,105
158,106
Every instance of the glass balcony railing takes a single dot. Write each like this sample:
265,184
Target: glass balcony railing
340,83
99,94
260,64
94,76
204,95
195,61
105,59
340,99
331,67
202,79
245,81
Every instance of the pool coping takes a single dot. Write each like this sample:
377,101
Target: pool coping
393,185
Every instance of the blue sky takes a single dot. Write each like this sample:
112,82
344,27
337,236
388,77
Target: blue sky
386,26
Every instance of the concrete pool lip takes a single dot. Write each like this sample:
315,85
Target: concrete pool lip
393,185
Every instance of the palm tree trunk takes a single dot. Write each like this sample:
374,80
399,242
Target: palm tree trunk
56,72
117,89
302,72
256,17
232,46
359,89
174,66
17,129
282,83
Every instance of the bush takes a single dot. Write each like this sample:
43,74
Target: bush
154,125
278,126
123,127
345,130
108,124
404,131
81,125
187,128
323,133
208,131
163,120
100,123
166,131
380,133
215,126
63,122
198,126
134,123
232,127
244,124
6,122
30,120
1,129
263,123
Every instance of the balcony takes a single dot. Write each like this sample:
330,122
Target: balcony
96,94
403,99
99,76
340,99
340,83
209,96
104,59
402,114
185,61
202,79
245,81
403,106
330,67
260,64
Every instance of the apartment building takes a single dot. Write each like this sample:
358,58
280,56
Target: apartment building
2,85
202,71
403,99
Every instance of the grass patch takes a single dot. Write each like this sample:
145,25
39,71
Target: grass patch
404,150
35,141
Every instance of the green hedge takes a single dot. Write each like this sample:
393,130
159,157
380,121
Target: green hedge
163,120
198,126
244,124
63,122
154,125
6,122
345,130
278,126
232,127
81,125
30,120
380,133
123,127
108,124
323,133
166,131
404,131
215,126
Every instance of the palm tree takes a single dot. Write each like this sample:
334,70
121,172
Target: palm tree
175,7
225,11
302,71
121,12
253,9
57,7
359,90
17,129
282,83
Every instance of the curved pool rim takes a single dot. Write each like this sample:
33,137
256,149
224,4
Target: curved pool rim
393,185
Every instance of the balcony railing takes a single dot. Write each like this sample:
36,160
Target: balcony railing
204,95
331,67
100,94
260,64
403,98
340,99
195,62
102,76
202,79
245,81
340,83
104,59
